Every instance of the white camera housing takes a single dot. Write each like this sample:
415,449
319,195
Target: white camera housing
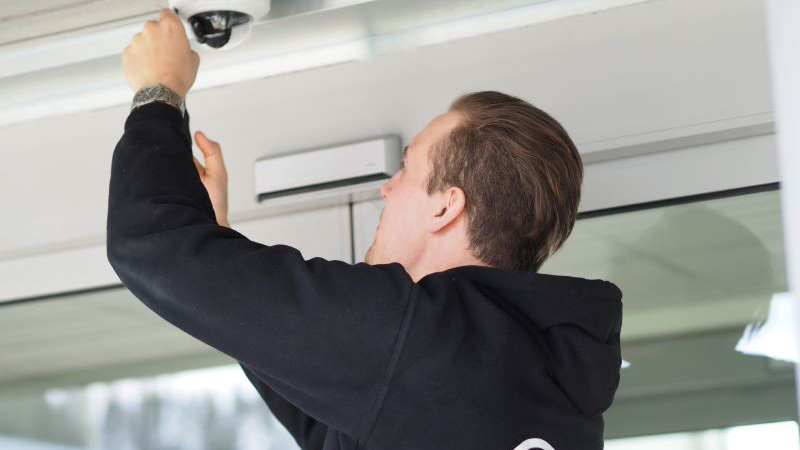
221,24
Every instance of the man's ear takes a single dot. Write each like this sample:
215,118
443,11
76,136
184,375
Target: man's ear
447,206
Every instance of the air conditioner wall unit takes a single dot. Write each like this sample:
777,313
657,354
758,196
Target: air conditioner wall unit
329,169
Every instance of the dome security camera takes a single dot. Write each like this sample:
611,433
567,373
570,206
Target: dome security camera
221,23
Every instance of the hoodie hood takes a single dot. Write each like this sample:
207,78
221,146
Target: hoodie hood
575,321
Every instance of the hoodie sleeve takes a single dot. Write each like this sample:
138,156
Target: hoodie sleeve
308,432
324,332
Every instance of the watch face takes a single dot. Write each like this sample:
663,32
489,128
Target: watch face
157,92
147,93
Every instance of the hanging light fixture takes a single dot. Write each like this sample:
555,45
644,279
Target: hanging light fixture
774,337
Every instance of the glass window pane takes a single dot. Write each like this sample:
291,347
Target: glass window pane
212,408
693,274
773,436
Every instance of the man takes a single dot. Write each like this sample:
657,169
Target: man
446,338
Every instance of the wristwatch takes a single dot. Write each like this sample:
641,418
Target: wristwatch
157,93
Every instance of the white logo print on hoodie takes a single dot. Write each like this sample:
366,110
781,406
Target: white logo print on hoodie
530,444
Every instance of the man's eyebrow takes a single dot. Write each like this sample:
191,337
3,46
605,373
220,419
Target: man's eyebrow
405,150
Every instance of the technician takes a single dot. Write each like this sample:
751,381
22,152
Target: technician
446,338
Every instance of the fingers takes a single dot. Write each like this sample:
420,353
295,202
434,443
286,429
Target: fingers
166,13
210,148
170,20
212,152
166,18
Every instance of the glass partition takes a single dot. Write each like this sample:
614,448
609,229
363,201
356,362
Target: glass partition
772,436
694,272
98,370
213,408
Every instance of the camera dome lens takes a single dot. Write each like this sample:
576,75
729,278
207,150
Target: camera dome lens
214,28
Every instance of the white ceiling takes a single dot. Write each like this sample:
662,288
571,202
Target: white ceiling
29,19
40,20
296,35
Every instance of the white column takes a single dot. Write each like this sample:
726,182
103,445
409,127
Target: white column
783,28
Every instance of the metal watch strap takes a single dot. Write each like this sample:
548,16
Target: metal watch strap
157,93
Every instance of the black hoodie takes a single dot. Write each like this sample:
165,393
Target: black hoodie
359,356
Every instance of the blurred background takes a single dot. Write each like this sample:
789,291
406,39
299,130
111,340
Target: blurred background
669,102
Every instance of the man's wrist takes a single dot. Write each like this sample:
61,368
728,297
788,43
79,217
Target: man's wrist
157,92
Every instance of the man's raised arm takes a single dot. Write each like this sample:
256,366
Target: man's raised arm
324,332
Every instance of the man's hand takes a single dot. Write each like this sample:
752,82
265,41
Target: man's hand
213,175
160,53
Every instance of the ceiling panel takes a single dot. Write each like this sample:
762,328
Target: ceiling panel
24,20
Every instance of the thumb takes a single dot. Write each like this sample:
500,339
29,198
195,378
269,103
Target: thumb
212,152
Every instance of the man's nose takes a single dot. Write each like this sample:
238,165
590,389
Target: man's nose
386,187
384,190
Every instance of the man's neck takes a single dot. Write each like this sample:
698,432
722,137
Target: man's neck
433,265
